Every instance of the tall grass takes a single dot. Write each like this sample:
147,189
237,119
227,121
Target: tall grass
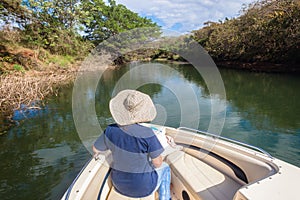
18,89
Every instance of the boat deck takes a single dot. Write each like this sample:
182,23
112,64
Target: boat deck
194,178
199,180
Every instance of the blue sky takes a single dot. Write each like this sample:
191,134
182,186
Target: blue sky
185,15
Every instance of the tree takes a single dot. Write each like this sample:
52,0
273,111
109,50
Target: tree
53,26
102,21
267,31
12,11
57,25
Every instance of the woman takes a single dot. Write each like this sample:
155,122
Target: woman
137,166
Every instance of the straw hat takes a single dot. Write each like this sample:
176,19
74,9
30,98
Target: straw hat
131,106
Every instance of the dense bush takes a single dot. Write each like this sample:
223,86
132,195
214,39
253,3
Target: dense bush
267,31
57,41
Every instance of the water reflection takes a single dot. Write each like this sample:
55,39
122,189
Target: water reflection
269,101
168,88
42,155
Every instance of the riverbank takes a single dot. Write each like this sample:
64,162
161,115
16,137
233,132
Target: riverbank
28,89
29,74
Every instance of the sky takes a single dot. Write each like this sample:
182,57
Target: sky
184,16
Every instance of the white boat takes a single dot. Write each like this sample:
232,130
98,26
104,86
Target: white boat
206,167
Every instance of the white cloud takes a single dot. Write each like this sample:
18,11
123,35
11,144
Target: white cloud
185,15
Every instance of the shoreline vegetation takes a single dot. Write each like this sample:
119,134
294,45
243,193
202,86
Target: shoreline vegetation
27,90
44,51
267,31
32,86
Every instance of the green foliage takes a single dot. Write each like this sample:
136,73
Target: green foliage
61,61
53,27
57,25
18,68
63,42
100,21
61,14
267,30
50,25
8,59
11,11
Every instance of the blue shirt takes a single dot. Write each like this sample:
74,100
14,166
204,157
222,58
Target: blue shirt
132,148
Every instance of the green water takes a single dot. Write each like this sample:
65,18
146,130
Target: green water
43,154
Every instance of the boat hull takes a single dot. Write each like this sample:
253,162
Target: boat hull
203,166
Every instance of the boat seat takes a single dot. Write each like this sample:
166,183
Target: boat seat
114,195
200,179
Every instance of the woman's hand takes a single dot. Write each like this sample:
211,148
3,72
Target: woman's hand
157,161
170,141
96,152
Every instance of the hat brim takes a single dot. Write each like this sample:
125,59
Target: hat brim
145,113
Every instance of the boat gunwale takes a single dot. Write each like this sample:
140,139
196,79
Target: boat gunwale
215,136
68,192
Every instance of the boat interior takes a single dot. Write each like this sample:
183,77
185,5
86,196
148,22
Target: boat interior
203,166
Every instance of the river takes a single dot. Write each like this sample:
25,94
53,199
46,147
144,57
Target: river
43,153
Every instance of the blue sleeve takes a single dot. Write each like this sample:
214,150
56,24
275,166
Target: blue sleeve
100,143
155,148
